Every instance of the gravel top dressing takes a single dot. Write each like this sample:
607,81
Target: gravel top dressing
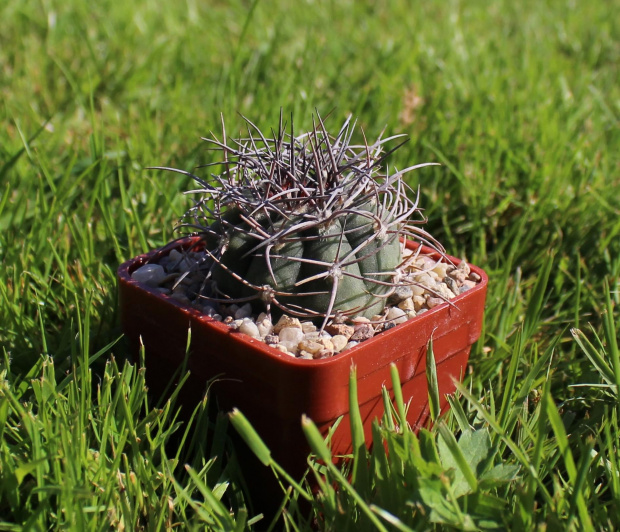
425,284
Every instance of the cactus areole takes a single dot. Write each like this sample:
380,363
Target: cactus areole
308,225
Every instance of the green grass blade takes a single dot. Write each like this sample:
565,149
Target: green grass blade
250,437
564,448
432,383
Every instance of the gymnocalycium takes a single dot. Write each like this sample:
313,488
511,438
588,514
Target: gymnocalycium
308,225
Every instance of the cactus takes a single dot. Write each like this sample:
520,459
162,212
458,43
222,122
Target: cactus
305,225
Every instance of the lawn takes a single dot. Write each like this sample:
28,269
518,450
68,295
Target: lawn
519,102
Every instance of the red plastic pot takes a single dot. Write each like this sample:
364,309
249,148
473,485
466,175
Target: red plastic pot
274,389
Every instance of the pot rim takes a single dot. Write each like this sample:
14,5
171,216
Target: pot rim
126,269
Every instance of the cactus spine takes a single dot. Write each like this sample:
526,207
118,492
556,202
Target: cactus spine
305,225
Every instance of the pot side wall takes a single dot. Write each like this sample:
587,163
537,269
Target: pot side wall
274,389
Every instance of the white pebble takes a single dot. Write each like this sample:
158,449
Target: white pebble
290,337
326,343
243,312
396,315
426,280
310,346
350,345
308,326
464,267
406,304
441,269
417,290
283,348
443,290
151,274
264,327
249,327
432,302
286,321
339,342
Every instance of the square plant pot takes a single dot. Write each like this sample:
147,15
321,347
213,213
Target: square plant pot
274,389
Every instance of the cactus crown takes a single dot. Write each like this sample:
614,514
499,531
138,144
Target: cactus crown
307,225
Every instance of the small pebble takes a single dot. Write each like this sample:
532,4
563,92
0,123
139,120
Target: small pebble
396,315
286,322
290,337
282,348
473,276
175,256
326,343
363,332
265,327
441,269
426,263
467,285
451,284
341,329
432,302
181,297
339,342
207,310
426,280
418,302
406,304
464,267
323,353
310,346
458,275
350,345
150,274
400,293
308,326
249,327
417,290
243,312
444,291
272,339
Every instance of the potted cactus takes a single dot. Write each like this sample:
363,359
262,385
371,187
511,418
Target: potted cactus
305,257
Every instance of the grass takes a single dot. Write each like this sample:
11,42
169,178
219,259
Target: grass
521,105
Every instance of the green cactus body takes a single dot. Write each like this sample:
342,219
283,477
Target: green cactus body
342,256
305,225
